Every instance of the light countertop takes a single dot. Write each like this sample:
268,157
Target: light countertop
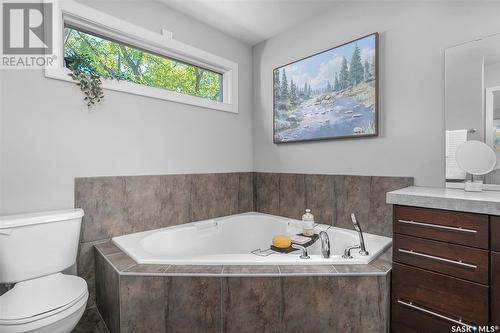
486,202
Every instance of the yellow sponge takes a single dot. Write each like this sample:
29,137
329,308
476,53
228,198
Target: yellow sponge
281,241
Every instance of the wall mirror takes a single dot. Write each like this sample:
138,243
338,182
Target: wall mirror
472,105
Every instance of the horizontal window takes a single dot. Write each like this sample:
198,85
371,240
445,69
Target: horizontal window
89,52
135,60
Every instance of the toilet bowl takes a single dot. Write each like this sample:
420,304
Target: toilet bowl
34,250
52,303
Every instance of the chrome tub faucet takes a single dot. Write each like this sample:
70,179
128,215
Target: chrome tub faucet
325,244
362,247
304,254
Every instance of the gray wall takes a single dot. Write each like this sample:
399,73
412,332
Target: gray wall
49,137
413,38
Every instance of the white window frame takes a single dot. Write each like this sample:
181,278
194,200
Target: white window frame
89,19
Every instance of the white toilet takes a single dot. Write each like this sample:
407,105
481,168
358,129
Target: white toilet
34,250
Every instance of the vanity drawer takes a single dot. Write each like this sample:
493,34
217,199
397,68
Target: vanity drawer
424,301
456,260
408,320
453,227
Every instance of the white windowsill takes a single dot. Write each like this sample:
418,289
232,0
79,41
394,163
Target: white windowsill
141,90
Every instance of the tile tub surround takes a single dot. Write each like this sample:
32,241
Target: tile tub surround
332,198
91,322
117,206
121,205
242,298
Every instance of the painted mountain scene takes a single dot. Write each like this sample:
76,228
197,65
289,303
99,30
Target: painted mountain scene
329,95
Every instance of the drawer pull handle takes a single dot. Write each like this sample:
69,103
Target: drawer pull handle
437,226
435,314
455,262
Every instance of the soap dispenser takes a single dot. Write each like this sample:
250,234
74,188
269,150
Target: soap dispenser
308,223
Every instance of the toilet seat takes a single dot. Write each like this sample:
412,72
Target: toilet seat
40,298
60,322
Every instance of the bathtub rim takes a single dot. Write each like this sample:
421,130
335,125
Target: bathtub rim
290,262
382,265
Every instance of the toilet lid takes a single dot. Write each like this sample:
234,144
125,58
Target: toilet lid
41,295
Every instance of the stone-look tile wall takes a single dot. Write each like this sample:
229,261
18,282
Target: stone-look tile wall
332,198
117,206
185,301
109,297
121,205
91,321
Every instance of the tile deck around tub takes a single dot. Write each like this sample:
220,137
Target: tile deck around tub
107,248
121,261
206,270
147,268
240,298
249,270
125,265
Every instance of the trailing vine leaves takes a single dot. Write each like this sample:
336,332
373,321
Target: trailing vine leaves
90,83
91,86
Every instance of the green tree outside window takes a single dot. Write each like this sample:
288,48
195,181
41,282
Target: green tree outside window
109,59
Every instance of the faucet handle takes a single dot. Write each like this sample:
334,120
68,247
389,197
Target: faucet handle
355,222
347,251
304,254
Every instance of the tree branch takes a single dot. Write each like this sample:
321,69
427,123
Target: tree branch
84,38
133,66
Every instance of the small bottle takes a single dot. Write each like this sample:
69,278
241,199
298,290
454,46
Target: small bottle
308,223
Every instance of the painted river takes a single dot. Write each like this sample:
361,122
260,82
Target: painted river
342,117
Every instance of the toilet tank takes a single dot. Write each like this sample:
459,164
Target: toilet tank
38,244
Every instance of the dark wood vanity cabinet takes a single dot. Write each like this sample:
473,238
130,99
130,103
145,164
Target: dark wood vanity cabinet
446,270
495,270
495,288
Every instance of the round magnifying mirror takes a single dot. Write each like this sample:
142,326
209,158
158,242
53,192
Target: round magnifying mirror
475,157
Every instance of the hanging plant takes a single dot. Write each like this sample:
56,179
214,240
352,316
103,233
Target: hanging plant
90,85
90,82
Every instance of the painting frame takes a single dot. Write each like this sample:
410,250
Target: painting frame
376,94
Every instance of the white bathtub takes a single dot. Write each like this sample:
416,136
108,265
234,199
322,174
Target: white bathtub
230,241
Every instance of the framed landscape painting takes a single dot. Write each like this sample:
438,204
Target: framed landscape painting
329,95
